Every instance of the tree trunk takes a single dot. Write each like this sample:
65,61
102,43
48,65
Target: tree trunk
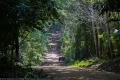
109,53
77,44
17,43
94,31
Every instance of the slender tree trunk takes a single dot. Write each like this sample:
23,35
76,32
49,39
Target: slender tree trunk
97,37
109,53
94,30
77,44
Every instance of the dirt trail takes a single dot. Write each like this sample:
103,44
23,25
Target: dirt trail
57,70
68,73
51,57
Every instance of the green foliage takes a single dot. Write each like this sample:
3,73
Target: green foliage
76,30
33,47
85,33
25,15
86,62
67,49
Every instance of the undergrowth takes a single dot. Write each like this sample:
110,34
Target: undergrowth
16,71
85,62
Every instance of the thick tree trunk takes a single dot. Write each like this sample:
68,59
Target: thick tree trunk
17,43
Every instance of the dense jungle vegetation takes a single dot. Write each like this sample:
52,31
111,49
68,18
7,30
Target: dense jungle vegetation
90,34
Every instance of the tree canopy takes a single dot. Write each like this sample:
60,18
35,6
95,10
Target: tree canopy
16,15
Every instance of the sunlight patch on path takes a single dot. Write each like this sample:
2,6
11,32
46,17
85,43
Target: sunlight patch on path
52,44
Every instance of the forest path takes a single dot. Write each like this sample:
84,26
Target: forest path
58,71
51,57
70,73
